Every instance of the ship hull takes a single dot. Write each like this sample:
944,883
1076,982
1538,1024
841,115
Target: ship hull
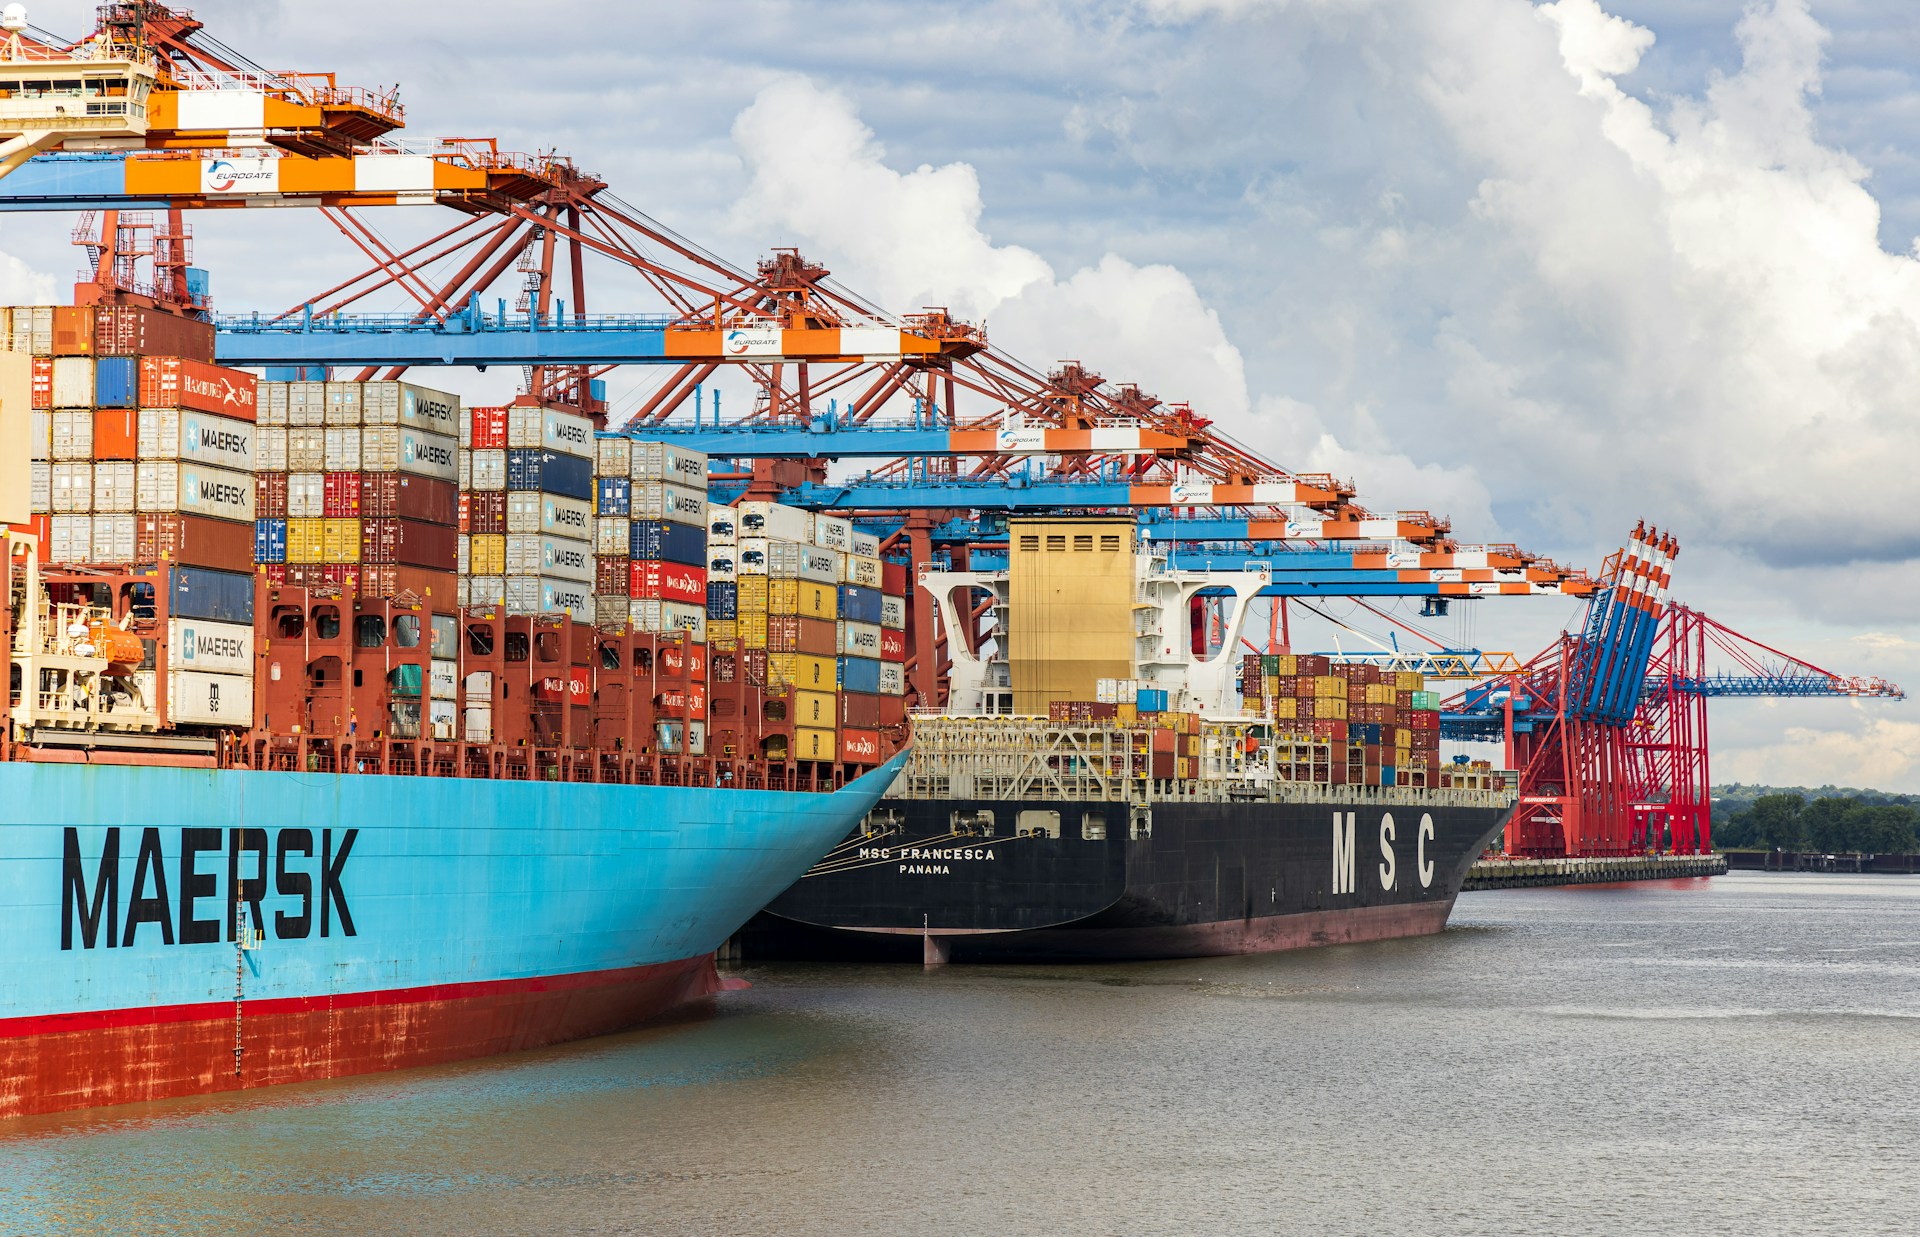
1183,880
400,921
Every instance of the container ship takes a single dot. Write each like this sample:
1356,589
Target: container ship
351,729
1098,789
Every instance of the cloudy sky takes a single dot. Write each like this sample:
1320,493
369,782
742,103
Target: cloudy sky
1546,268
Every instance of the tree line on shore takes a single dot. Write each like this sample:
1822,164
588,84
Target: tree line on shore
1790,820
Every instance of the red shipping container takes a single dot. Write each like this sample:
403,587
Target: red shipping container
893,645
487,511
433,587
193,541
276,574
40,528
893,578
73,330
860,747
126,330
409,498
341,496
725,669
342,576
116,434
787,633
689,702
648,580
610,576
756,662
859,710
385,541
270,495
180,382
684,661
463,514
893,710
41,396
489,428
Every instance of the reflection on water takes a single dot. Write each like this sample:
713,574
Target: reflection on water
1732,1056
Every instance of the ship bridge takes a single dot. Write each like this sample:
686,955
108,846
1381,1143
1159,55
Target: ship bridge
97,89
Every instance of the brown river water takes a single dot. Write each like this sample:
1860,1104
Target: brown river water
1736,1056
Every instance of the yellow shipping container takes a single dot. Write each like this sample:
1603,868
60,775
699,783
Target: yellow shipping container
722,629
753,630
802,670
1410,681
306,539
1380,693
342,538
753,594
805,598
1330,708
1271,684
1127,714
1286,707
1071,621
813,744
1402,737
1289,665
811,708
1330,686
487,554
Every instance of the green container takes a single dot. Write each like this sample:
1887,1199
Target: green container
404,680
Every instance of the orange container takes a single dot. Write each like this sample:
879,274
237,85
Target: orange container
73,330
116,433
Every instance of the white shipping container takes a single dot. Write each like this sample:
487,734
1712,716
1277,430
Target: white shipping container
73,382
657,461
893,613
723,562
893,679
343,404
401,448
270,449
306,494
72,488
696,742
113,493
610,611
462,592
173,434
443,679
196,698
416,407
479,685
863,571
654,500
463,556
32,329
611,535
164,485
343,447
551,429
217,648
776,521
465,479
306,403
754,555
1104,691
443,716
306,449
534,554
113,538
612,457
665,616
859,639
489,470
530,512
722,527
547,595
270,405
832,532
73,433
866,545
820,566
477,723
486,591
39,487
71,538
40,434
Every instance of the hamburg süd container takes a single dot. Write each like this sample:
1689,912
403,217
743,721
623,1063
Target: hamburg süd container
655,580
181,382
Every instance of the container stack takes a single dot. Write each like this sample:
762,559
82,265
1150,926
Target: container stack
1383,725
358,488
894,591
144,455
650,533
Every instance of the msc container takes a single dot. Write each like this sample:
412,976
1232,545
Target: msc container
665,616
113,490
130,331
859,605
443,679
487,429
116,382
164,485
216,648
116,434
612,496
195,698
665,541
73,382
73,434
70,539
811,744
72,485
306,448
550,472
489,468
537,554
721,526
202,593
655,500
415,407
408,497
176,434
893,612
548,513
832,532
863,571
270,449
612,534
269,541
860,747
550,429
387,540
401,448
546,595
652,580
113,540
658,461
781,523
181,382
307,494
858,639
723,599
612,455
860,674
893,679
343,448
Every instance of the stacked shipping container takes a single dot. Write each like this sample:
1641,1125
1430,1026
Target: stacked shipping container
650,538
1383,725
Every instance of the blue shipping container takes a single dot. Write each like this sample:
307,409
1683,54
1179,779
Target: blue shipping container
723,599
116,382
1151,700
860,674
663,541
211,596
616,496
269,541
1386,775
550,472
860,605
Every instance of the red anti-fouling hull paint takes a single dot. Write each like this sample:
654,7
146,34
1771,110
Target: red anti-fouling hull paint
64,1061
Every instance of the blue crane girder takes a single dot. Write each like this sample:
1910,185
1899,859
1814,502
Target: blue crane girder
466,336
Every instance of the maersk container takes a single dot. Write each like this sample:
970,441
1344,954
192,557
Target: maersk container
476,724
723,562
859,605
614,495
550,429
659,461
203,593
832,532
195,698
343,448
893,679
216,648
222,494
270,541
814,563
444,718
665,541
487,591
416,407
306,448
753,556
547,595
858,640
860,674
535,554
116,382
721,527
723,599
611,535
403,449
612,455
866,545
863,571
444,679
533,512
343,403
773,520
306,403
668,616
893,612
550,472
659,500
224,442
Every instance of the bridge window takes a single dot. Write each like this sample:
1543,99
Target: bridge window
326,623
609,657
547,643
